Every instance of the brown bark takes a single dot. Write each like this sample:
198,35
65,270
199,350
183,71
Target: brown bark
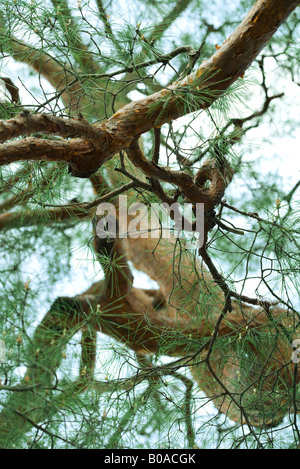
212,78
220,176
12,220
178,319
46,66
12,89
210,81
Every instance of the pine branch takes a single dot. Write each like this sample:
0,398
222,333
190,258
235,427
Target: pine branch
45,65
209,82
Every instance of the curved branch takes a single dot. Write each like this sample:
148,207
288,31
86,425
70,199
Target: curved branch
209,82
37,149
68,24
47,66
67,214
26,124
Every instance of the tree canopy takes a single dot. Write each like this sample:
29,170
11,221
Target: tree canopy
159,336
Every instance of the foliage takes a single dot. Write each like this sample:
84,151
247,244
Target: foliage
85,60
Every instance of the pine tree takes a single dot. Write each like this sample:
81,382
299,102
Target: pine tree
156,336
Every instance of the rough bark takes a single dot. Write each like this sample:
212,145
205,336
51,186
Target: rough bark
151,321
209,82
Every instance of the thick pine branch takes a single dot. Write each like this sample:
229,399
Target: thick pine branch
209,82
